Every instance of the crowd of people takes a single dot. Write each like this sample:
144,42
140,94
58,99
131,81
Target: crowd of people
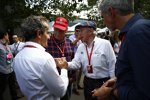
49,66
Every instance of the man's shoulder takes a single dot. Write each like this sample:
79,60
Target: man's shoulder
142,23
47,55
140,29
101,40
12,45
22,42
72,36
68,40
1,45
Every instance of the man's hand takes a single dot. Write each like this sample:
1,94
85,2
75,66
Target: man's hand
61,63
104,91
78,37
110,83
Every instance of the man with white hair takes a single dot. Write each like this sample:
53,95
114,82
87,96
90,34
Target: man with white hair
96,58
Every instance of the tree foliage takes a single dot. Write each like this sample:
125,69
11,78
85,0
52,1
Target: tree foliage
13,11
141,6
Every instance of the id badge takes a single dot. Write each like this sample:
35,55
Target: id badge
90,69
8,58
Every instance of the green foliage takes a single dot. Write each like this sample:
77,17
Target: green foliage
94,13
55,8
13,11
141,6
92,2
20,9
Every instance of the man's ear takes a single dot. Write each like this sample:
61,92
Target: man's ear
38,33
112,11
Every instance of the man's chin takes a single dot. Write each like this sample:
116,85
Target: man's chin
82,40
45,45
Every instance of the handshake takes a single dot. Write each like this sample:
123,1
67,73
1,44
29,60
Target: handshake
61,63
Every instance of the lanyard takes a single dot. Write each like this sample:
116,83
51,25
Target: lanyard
16,46
30,46
89,56
61,50
122,40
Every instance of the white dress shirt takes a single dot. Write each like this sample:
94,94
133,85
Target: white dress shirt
37,74
16,47
103,59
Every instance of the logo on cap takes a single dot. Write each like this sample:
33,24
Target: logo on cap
61,23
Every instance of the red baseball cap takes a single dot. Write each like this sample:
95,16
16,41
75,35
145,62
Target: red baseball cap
61,23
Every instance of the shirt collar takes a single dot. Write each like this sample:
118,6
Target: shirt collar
95,38
35,45
129,24
17,43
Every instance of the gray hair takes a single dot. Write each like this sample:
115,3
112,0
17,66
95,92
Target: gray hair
31,25
124,7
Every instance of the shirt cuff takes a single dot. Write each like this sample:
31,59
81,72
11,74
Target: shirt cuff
64,72
69,65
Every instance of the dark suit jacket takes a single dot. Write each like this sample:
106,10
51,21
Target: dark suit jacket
133,63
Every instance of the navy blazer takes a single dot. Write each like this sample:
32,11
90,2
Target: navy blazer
133,62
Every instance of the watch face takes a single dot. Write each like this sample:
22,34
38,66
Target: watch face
90,69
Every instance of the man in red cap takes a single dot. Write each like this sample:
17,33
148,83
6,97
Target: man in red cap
60,46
